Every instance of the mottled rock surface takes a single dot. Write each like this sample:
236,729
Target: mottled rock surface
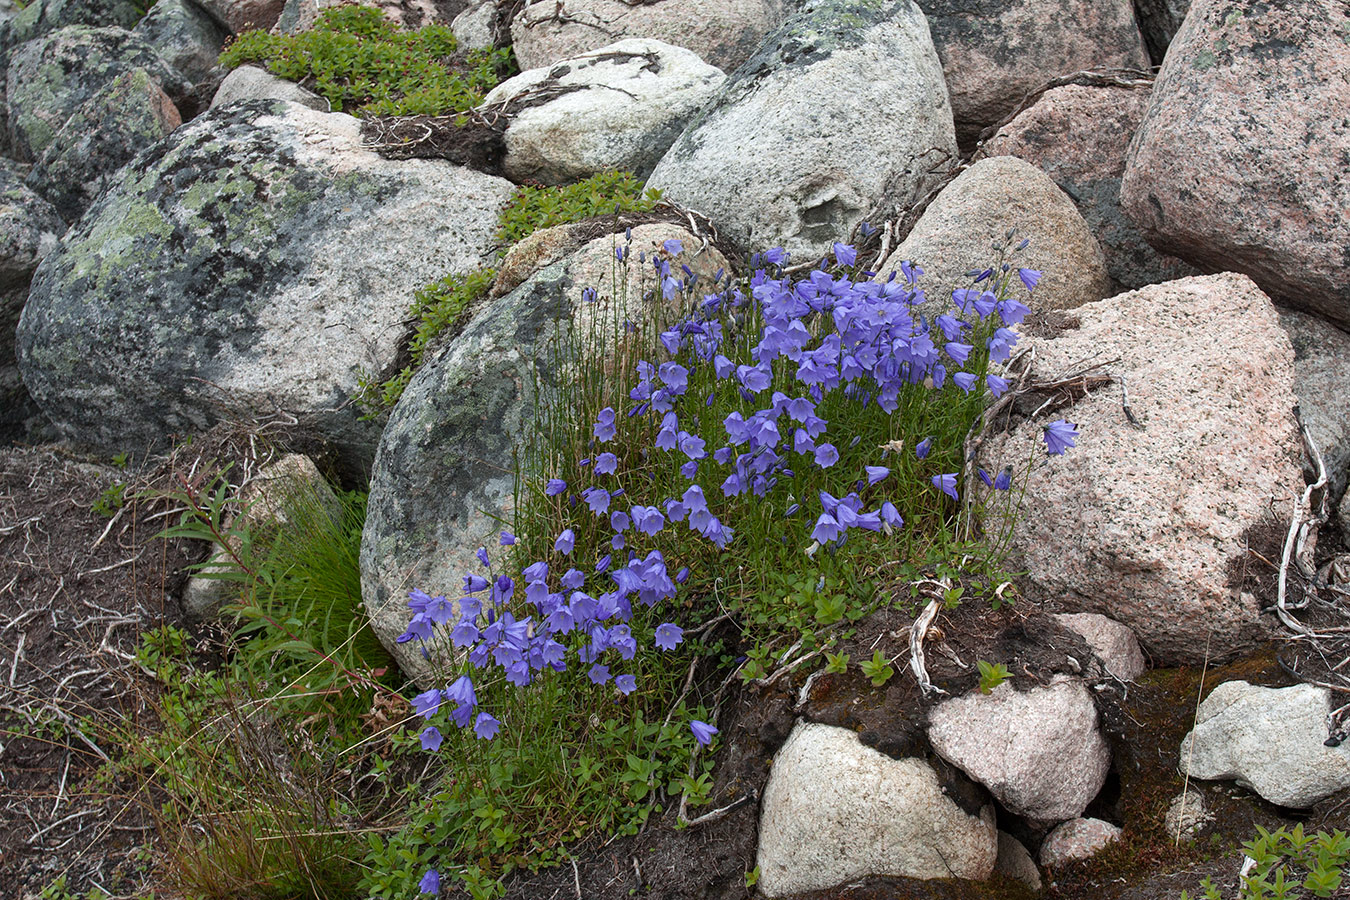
300,15
1015,861
1113,643
783,157
185,37
1077,839
243,15
835,811
256,83
1322,385
1242,161
44,16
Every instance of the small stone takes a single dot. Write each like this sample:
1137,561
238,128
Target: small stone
1077,839
1115,645
1015,861
1186,815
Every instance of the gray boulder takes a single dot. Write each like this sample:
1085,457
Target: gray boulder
185,37
256,83
246,272
1241,162
619,107
129,114
955,233
244,15
1271,740
53,76
1322,385
442,484
476,27
835,811
783,156
44,16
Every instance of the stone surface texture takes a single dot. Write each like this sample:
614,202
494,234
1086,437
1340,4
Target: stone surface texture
1039,752
1269,740
783,157
1322,385
185,37
300,15
954,235
1015,861
256,83
243,15
44,16
1142,525
476,26
1115,645
442,482
618,107
1078,135
1242,161
994,52
1076,840
246,272
1186,815
835,811
724,33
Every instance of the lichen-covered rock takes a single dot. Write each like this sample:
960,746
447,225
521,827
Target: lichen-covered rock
1039,752
129,114
1271,740
724,33
783,157
442,483
619,107
185,37
1077,839
53,76
44,16
954,235
1322,385
995,52
1113,643
835,811
1077,135
245,271
256,83
1242,161
1146,524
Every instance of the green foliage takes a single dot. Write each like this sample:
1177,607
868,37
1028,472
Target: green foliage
362,64
57,890
878,669
605,193
836,663
111,500
991,676
1289,865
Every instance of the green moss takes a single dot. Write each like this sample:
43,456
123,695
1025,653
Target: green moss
606,193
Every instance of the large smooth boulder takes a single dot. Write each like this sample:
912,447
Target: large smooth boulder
619,107
784,157
1322,384
129,114
724,33
1148,525
185,37
256,83
1039,752
1242,162
1077,135
246,271
52,76
443,482
996,52
836,810
1271,740
955,234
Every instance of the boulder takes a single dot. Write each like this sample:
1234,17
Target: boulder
185,37
300,15
1113,643
1076,840
129,114
255,83
1147,524
1077,135
245,272
619,107
1039,752
443,482
44,16
243,15
53,76
476,27
782,156
955,234
724,33
1270,740
835,811
1322,385
995,53
1242,162
1016,862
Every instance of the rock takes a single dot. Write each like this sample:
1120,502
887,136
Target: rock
540,248
1186,815
53,76
1039,752
42,17
954,235
266,501
1015,861
476,27
1114,644
255,83
1142,525
409,15
1240,163
781,156
1075,840
185,37
1269,740
243,15
724,33
1077,135
995,53
1322,385
619,107
245,272
835,810
1159,21
112,126
442,483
